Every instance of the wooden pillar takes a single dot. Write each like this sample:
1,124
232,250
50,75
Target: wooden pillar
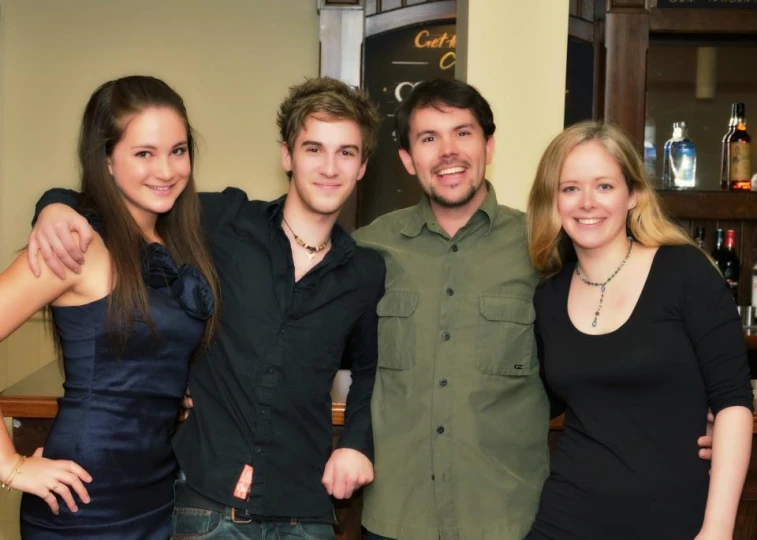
626,42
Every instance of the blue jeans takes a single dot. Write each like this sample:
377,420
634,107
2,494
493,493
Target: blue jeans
200,524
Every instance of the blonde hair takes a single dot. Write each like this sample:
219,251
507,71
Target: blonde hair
647,223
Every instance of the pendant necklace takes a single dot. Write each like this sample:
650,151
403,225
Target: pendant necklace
603,284
312,250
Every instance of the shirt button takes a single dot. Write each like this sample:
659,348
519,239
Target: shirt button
264,412
442,382
270,369
446,336
454,248
283,330
450,292
440,430
258,450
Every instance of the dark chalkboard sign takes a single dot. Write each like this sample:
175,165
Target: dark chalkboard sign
393,63
714,4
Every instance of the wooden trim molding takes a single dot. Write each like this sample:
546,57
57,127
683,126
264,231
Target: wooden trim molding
703,21
581,29
409,16
29,406
47,407
337,413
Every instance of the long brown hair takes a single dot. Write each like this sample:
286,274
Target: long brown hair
102,127
647,223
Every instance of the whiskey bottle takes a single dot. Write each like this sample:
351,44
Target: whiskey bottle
739,164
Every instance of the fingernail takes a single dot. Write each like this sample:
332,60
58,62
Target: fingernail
75,509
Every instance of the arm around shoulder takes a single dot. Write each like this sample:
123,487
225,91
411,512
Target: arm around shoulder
218,207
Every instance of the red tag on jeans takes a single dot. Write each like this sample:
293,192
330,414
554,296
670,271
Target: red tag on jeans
244,483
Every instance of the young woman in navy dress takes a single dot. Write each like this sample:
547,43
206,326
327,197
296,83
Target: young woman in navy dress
126,326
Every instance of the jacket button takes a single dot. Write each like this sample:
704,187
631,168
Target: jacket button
446,336
454,248
450,292
442,382
440,430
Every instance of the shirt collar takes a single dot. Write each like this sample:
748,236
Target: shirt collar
423,214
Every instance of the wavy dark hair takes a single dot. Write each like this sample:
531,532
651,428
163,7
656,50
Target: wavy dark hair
105,119
439,94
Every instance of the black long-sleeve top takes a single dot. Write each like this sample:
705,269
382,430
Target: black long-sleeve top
636,400
261,392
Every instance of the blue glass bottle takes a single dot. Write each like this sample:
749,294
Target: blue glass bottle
667,174
683,160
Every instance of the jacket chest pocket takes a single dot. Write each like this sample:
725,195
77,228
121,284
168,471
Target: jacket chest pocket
396,329
505,341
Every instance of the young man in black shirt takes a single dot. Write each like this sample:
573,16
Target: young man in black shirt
298,297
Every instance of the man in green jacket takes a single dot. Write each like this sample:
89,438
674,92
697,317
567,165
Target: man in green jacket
460,418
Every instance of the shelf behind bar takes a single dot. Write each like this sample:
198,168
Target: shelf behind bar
715,205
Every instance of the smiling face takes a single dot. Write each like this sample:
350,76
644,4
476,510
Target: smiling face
449,154
325,164
150,164
593,198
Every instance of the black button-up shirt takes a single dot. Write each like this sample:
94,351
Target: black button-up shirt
261,392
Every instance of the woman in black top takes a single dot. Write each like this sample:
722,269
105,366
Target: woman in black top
638,336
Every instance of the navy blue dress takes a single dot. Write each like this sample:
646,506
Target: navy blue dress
119,411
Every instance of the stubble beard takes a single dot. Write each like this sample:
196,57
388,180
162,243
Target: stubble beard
447,203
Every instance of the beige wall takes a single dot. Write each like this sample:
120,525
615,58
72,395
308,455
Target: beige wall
515,53
231,60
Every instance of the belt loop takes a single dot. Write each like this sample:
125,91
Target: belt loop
236,520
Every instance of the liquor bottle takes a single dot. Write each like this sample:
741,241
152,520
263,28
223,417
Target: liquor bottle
739,165
650,151
699,237
725,177
683,160
728,262
717,251
667,173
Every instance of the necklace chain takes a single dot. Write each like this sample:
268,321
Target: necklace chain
603,284
312,250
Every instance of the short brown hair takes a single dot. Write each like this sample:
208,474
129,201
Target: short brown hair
334,99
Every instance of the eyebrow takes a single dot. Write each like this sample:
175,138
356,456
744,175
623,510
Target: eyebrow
425,132
595,179
341,147
153,147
